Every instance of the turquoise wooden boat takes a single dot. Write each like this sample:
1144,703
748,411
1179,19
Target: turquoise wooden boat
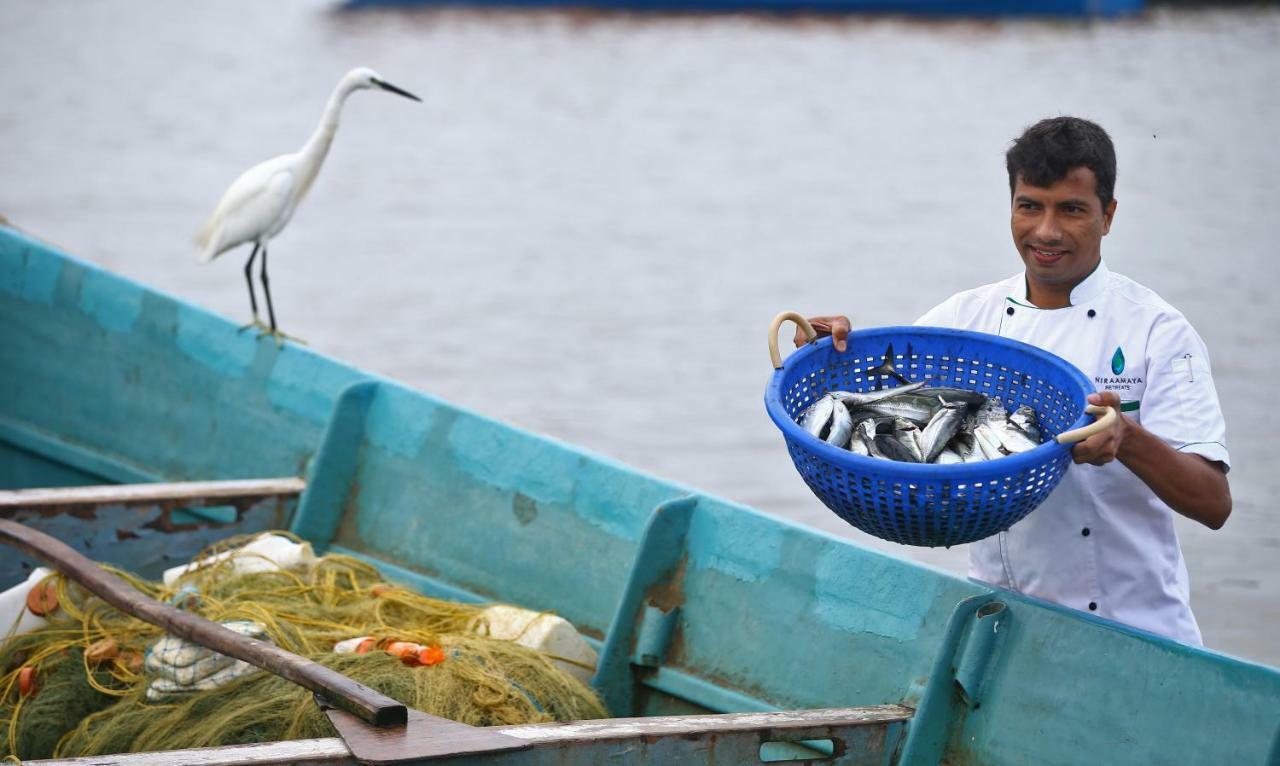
733,636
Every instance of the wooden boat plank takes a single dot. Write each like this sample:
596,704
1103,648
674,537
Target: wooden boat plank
187,493
713,739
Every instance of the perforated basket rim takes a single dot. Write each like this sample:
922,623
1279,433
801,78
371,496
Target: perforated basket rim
1008,465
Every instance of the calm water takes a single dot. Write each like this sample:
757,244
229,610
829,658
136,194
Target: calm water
587,226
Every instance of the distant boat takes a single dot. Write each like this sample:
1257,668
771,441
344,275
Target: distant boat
702,609
925,8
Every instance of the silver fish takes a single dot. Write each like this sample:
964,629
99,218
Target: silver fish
917,408
988,442
1026,420
817,416
889,446
991,411
965,444
949,456
944,425
1013,439
971,398
841,426
886,368
864,439
908,434
853,399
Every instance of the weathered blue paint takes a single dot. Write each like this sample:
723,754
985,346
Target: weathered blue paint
745,547
114,305
202,336
770,615
844,581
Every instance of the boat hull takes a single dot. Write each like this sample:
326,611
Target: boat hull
697,604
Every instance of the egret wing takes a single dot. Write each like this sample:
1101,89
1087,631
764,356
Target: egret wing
257,204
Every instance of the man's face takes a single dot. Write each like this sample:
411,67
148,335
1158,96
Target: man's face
1059,229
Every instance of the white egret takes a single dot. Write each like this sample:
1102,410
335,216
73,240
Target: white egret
259,203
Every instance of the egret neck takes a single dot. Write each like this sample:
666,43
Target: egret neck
314,151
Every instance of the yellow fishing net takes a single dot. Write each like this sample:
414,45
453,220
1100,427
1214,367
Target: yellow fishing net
77,686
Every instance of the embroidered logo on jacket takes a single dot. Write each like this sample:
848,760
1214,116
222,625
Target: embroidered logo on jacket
1125,384
1117,362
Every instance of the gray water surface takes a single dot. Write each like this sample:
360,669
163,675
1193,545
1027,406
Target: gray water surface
587,226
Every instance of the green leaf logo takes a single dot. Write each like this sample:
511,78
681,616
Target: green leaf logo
1117,361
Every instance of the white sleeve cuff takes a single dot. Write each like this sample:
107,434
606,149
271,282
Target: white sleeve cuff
1212,451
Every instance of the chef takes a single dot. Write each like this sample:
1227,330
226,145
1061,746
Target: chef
1104,540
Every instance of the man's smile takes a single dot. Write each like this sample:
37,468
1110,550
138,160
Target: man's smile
1047,256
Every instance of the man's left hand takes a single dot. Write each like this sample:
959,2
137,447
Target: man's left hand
1102,448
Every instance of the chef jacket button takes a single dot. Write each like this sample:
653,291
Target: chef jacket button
1009,311
1093,606
1092,313
1085,532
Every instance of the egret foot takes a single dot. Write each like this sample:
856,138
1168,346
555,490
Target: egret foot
256,323
279,335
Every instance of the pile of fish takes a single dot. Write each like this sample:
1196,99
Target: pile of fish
915,424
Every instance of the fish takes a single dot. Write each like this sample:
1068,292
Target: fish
919,423
817,417
995,418
886,368
841,426
916,408
965,444
1013,439
908,434
991,411
988,442
864,437
949,456
972,398
941,428
889,446
858,446
1027,421
852,399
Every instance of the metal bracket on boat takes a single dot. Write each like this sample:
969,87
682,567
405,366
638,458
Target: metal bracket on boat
654,634
648,612
974,633
975,656
332,476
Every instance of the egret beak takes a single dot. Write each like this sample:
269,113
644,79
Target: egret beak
389,87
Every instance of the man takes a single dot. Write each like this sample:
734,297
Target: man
1104,541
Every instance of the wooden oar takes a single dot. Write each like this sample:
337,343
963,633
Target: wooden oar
378,729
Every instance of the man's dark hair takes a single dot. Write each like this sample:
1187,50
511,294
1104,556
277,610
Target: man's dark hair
1048,150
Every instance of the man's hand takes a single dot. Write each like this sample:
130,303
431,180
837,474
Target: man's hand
1102,448
835,326
1188,483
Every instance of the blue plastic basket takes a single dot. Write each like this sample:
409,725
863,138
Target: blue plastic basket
931,505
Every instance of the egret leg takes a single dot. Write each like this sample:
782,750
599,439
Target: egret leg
248,278
271,314
266,288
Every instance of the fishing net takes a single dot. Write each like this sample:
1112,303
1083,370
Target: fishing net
88,695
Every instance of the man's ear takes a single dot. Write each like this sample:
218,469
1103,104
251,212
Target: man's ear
1107,214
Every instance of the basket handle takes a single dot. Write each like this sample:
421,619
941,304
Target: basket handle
773,334
1106,416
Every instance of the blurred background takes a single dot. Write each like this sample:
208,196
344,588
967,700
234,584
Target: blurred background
588,225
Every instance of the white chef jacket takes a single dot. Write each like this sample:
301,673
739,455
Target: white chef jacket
1102,542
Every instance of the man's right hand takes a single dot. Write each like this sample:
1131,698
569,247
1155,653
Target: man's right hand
835,326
